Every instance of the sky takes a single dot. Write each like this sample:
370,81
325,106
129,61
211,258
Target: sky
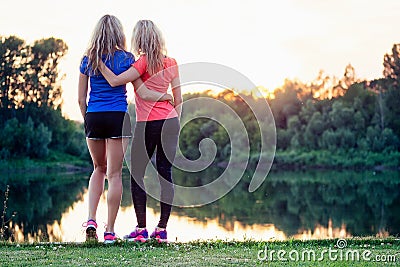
267,41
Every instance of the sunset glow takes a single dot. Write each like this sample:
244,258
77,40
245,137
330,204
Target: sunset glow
267,41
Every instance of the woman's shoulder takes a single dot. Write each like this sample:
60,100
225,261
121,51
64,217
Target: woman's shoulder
123,54
171,66
142,58
124,58
84,59
141,61
84,65
169,61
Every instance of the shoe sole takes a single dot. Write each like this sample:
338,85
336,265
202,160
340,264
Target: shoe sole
91,234
160,240
109,241
136,239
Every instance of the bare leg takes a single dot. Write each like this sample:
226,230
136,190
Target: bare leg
115,156
97,149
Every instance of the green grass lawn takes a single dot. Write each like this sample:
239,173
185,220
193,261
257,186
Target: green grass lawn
202,253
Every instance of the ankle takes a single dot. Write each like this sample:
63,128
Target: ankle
158,229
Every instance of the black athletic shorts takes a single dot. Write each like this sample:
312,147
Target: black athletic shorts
110,124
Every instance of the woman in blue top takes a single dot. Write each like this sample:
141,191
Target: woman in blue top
107,123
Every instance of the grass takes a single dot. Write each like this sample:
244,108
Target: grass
199,253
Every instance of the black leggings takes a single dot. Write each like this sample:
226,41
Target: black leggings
149,136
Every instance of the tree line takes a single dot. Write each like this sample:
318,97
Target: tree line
330,121
350,121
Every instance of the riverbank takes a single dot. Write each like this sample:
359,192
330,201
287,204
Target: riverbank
288,160
323,159
56,161
329,252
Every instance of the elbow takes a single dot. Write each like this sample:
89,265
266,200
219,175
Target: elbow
145,97
82,101
113,83
178,100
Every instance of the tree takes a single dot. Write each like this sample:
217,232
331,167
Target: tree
391,72
341,116
314,130
44,78
13,55
285,104
29,74
392,104
349,77
391,65
322,86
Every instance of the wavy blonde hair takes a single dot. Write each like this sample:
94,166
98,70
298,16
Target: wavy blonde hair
108,36
147,40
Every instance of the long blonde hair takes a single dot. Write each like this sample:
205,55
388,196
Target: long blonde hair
147,40
108,36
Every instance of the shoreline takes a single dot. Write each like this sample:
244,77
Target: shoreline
286,160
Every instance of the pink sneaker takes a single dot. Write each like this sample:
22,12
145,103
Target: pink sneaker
109,238
91,227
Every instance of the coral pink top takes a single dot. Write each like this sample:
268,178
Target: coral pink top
148,110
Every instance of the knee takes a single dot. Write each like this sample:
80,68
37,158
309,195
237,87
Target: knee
114,174
138,171
167,191
102,168
168,188
165,172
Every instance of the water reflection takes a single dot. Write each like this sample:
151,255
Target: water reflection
39,200
181,228
348,202
303,205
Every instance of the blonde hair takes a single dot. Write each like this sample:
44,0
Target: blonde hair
108,36
147,40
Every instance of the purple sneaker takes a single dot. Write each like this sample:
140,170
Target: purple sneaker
138,235
160,236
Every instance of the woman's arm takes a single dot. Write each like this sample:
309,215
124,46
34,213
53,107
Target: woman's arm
149,95
132,75
127,76
176,91
82,93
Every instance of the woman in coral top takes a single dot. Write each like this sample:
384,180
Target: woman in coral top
157,127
